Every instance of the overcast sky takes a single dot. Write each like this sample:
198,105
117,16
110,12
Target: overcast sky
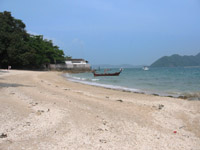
133,32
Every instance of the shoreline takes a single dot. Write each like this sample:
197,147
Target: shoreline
187,96
43,110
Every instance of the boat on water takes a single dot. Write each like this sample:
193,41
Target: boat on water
107,74
145,68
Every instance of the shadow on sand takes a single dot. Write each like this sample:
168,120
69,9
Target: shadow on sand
3,85
2,71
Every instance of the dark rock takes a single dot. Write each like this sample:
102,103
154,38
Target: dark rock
120,100
34,104
102,141
182,97
160,106
105,122
3,135
39,112
100,129
170,96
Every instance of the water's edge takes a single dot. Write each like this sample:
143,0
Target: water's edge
125,89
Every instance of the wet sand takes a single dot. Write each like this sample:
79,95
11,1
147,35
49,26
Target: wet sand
42,110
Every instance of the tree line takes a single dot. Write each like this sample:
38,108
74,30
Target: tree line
22,50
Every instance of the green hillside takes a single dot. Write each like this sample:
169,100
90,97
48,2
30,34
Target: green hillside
177,61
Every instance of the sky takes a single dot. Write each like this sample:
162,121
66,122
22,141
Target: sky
136,32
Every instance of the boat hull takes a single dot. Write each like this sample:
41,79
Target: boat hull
107,74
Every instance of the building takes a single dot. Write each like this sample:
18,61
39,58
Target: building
72,64
77,64
76,61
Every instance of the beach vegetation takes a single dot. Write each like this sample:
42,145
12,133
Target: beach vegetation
22,50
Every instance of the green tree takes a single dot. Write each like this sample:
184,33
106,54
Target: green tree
12,39
22,50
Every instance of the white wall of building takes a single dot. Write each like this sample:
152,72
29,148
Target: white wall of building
75,63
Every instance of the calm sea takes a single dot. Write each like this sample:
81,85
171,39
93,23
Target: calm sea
162,81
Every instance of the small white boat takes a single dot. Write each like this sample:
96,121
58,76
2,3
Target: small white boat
145,68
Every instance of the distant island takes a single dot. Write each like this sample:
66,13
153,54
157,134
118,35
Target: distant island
177,61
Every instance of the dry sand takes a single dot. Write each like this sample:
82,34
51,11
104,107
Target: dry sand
42,110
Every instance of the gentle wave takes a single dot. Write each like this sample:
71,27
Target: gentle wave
170,82
88,82
114,87
95,79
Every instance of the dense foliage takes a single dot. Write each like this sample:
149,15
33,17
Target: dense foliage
22,50
177,61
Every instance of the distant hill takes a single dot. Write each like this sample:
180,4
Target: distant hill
177,61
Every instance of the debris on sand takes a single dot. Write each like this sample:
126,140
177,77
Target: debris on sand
160,106
120,100
3,135
39,112
102,141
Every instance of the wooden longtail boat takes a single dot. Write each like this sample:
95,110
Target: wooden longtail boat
107,74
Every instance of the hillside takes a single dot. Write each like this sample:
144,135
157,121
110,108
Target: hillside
177,61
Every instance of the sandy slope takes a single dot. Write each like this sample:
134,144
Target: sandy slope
41,110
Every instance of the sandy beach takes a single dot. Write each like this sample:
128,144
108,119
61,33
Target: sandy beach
42,110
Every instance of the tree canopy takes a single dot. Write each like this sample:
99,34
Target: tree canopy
22,50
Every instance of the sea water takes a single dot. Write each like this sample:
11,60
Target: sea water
162,81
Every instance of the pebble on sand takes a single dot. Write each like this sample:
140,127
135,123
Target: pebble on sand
3,135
